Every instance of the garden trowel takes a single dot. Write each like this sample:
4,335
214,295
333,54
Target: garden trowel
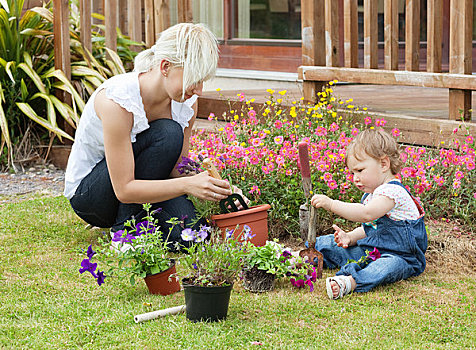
227,204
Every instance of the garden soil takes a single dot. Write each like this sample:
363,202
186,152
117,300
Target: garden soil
450,246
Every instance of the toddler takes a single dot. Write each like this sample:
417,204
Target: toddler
392,221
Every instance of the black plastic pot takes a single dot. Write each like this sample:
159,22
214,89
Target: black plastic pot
209,304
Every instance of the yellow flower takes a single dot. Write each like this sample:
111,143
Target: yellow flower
350,106
279,100
236,117
334,114
268,102
279,112
302,98
242,178
282,93
332,99
365,108
270,91
331,83
221,129
218,89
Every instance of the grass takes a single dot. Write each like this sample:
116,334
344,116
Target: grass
46,303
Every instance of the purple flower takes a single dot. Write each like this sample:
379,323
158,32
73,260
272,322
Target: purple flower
195,267
188,235
144,227
310,284
297,283
87,265
228,233
100,277
374,254
117,237
247,235
90,252
156,211
201,236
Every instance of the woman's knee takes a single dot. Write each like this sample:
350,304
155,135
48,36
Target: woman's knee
169,130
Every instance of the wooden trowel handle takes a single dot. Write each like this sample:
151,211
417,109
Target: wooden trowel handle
211,168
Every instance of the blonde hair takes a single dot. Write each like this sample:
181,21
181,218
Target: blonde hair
190,46
375,143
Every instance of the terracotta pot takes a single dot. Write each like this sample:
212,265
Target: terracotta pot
255,217
159,283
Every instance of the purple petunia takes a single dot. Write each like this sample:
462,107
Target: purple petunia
247,235
188,235
228,233
90,252
100,277
87,265
144,227
201,236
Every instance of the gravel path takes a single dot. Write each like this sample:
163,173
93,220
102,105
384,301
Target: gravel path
48,180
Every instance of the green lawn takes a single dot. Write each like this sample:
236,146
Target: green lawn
46,304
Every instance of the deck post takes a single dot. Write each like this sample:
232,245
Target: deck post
461,33
313,43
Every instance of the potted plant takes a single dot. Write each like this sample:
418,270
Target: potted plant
256,216
140,250
263,265
209,270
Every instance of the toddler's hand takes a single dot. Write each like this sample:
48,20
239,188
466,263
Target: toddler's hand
321,201
341,237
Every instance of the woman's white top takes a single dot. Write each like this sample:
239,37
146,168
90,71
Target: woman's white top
88,147
404,209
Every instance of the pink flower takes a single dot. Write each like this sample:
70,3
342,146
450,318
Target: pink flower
474,195
278,140
255,189
380,122
278,124
368,120
320,131
334,127
354,131
374,254
456,184
332,184
211,116
470,165
251,113
241,97
469,140
459,174
396,132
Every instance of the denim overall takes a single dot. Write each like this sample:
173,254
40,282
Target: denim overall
402,245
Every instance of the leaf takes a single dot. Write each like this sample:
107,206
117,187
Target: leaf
49,107
4,123
44,12
24,90
34,76
4,4
132,280
66,111
9,72
116,60
26,108
66,86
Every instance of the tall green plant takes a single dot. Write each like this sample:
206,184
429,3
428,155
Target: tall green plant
28,78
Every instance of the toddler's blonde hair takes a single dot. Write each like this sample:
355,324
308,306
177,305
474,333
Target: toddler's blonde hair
190,46
375,143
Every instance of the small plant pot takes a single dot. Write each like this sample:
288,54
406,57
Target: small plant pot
159,283
255,217
209,304
258,281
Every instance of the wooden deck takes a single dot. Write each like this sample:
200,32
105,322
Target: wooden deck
420,113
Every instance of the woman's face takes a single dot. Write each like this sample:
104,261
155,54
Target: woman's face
174,85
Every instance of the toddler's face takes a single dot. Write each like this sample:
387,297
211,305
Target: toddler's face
368,172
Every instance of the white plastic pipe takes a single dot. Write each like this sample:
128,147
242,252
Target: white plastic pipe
159,313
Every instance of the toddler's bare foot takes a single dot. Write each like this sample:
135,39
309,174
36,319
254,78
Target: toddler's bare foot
339,286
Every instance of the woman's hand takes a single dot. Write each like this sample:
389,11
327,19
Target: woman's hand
204,186
342,238
240,192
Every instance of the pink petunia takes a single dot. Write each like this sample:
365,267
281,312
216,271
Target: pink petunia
368,120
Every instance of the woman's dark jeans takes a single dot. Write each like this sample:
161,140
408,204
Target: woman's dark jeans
156,152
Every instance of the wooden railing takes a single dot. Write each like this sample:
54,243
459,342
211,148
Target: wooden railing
320,48
117,13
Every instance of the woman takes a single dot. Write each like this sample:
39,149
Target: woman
134,130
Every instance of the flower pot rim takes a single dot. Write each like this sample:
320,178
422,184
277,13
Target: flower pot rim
253,209
171,265
186,283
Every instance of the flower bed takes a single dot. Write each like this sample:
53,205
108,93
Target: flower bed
258,151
